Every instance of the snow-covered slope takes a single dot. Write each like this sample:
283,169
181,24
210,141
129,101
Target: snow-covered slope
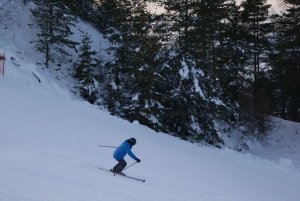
49,147
281,144
48,151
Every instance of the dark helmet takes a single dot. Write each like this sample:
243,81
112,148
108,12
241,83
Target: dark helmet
132,141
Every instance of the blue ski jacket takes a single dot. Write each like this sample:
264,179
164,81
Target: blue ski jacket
122,150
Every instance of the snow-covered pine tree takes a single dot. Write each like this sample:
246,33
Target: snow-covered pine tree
85,68
218,55
109,17
131,74
194,68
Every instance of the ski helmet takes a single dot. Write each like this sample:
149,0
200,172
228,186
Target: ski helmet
132,141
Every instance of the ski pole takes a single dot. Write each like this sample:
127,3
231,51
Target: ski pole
107,146
130,165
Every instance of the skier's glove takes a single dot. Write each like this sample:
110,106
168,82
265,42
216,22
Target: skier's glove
138,160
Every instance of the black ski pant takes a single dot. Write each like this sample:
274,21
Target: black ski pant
120,166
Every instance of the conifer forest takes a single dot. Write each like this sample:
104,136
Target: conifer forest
190,68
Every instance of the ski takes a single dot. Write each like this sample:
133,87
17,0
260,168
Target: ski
130,177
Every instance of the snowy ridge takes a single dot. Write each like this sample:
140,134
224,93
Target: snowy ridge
49,147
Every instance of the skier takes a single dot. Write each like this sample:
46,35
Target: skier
120,153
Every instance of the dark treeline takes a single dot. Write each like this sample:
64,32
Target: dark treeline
189,70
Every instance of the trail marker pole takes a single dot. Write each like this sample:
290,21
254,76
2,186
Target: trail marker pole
2,58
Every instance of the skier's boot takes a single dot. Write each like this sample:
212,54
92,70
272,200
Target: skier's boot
121,173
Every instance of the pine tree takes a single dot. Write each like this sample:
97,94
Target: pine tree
130,76
84,69
256,28
109,17
232,74
254,15
43,18
193,68
86,9
285,61
54,21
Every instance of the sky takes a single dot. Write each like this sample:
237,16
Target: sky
277,6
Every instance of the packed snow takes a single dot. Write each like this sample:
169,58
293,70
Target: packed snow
49,145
